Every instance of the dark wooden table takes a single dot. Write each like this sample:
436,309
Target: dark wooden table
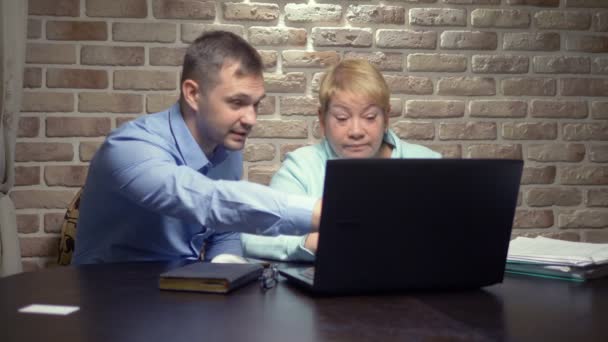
121,302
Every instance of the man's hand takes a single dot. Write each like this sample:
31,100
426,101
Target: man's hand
316,216
311,242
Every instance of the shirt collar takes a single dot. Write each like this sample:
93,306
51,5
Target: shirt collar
192,154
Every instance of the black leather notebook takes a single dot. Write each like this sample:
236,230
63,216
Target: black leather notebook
209,277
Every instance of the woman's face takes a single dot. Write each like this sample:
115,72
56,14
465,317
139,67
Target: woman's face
353,125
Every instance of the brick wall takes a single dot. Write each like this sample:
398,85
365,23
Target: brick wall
469,78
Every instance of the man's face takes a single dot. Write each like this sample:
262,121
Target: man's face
353,125
227,112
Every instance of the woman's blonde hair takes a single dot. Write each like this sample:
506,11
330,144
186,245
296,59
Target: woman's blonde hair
357,76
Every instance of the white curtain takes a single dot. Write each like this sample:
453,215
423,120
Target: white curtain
13,29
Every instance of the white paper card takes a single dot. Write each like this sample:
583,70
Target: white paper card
49,309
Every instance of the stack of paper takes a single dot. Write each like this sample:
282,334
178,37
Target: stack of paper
542,256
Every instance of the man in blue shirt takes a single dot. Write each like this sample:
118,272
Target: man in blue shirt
166,185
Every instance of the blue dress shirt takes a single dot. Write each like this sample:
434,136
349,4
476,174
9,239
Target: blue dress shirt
152,194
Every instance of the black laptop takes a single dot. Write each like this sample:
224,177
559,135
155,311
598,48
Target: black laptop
406,224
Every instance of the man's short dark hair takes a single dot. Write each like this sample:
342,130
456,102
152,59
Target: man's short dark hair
207,54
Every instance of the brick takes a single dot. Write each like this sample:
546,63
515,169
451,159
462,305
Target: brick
183,9
32,77
538,175
269,58
599,110
40,152
267,106
144,32
467,131
529,130
599,153
47,102
584,175
117,8
586,43
159,102
286,148
112,55
76,78
276,36
540,3
53,222
348,37
502,64
60,8
533,219
596,236
77,127
584,86
27,175
309,59
87,149
546,197
189,32
558,109
259,152
447,151
434,109
76,30
167,56
316,81
529,86
583,219
405,39
251,11
65,175
414,130
28,127
34,29
587,3
472,2
27,223
299,105
502,151
585,131
466,86
562,20
561,64
41,199
382,60
556,152
414,85
372,14
40,53
293,82
313,13
38,246
289,129
469,40
597,198
261,174
600,22
109,103
438,17
500,18
599,66
497,109
528,41
145,80
435,62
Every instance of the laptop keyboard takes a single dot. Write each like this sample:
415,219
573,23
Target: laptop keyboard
308,273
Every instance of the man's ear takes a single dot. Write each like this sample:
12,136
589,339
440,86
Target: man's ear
191,93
